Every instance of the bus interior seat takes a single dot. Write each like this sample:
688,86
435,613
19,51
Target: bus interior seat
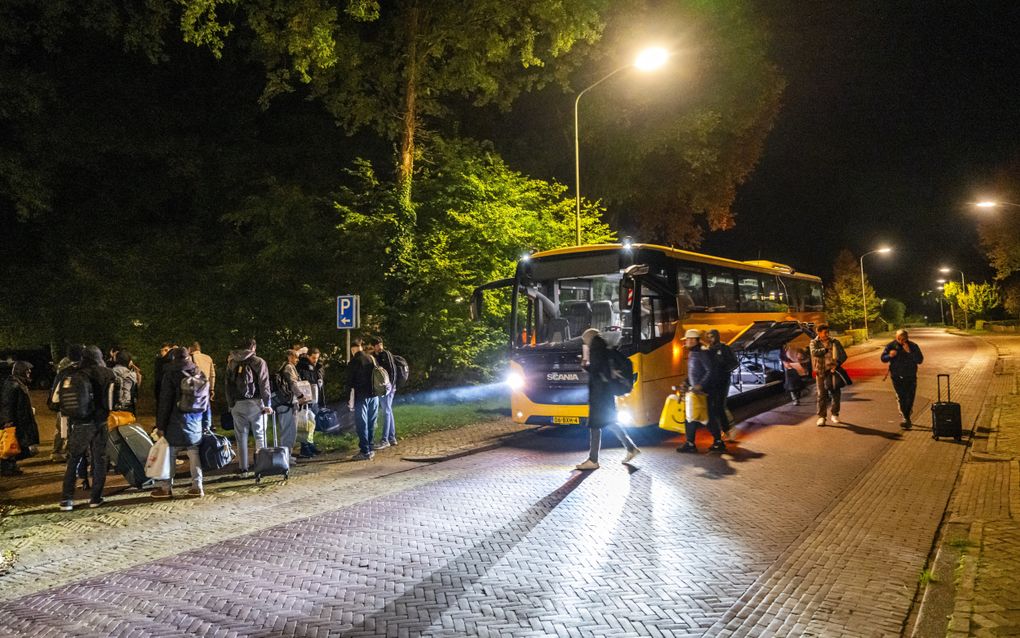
602,315
557,330
578,315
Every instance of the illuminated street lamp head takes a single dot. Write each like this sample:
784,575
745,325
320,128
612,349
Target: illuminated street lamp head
941,281
945,269
884,249
651,59
986,204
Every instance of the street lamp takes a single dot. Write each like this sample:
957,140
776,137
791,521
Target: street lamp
952,310
647,60
989,203
963,282
864,290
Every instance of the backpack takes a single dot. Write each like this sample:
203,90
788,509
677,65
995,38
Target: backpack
729,360
77,398
194,393
283,394
380,381
126,388
403,371
621,373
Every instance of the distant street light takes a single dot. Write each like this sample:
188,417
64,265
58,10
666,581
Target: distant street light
864,290
994,204
647,60
963,282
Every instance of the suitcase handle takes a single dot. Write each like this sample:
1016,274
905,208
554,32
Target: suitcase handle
938,382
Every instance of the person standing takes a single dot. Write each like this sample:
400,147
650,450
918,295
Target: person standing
181,429
16,412
385,360
87,434
162,359
699,375
70,362
601,401
723,363
205,363
248,397
793,359
312,370
125,398
827,354
363,401
289,400
903,357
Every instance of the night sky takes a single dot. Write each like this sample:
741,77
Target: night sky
895,116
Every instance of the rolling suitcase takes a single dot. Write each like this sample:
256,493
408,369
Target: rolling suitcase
945,415
128,447
272,461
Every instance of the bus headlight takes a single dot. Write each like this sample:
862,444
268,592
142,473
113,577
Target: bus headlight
625,417
515,380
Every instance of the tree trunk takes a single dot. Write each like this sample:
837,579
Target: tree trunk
405,168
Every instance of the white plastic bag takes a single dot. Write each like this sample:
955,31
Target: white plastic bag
158,464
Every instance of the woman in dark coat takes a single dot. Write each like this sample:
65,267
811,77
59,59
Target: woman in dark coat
181,429
793,360
601,401
16,411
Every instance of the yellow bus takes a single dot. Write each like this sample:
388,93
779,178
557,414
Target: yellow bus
642,298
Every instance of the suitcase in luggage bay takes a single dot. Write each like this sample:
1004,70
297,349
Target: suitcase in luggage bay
272,461
945,415
127,447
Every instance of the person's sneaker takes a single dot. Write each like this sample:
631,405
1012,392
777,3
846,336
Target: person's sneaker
835,418
362,456
161,492
243,474
58,458
587,465
66,506
314,450
96,502
393,441
820,422
631,455
906,425
196,491
687,447
381,445
718,446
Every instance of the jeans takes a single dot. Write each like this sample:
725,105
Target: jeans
906,388
206,418
596,440
194,464
288,428
366,411
828,393
86,439
389,427
248,417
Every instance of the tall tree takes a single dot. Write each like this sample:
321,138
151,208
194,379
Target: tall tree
844,304
977,299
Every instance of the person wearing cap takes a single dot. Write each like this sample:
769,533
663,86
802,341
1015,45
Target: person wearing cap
723,363
827,354
601,401
699,379
16,412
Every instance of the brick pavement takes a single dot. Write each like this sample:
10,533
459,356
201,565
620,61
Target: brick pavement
797,530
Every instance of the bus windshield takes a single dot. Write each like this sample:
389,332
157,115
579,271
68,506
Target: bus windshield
558,311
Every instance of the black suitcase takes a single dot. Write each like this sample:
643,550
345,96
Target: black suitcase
128,447
272,461
945,415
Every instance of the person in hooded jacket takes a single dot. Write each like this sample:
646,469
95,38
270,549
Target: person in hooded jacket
87,436
248,397
180,429
69,363
601,402
16,412
126,395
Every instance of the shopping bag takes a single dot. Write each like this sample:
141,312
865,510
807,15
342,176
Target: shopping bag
158,465
118,418
305,424
697,406
672,417
9,447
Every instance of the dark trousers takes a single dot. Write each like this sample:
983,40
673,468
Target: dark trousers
906,388
86,439
712,425
828,393
717,410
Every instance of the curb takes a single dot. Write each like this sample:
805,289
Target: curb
963,608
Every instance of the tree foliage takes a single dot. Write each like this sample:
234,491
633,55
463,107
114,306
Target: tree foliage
893,311
977,300
843,301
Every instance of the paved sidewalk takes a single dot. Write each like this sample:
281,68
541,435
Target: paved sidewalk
979,553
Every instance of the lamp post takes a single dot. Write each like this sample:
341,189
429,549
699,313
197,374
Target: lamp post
648,60
864,290
952,310
963,282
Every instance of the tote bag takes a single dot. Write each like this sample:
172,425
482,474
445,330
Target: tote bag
158,463
9,447
697,406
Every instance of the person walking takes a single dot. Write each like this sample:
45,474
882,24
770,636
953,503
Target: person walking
289,400
92,385
827,354
903,357
699,375
793,360
16,412
181,427
385,360
723,363
205,363
125,397
363,400
601,401
248,397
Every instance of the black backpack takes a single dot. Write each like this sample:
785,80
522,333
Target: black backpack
279,385
621,373
77,398
194,393
403,371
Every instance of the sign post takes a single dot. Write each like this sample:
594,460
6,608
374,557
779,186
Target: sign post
348,317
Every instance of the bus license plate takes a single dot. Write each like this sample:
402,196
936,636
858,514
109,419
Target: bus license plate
566,420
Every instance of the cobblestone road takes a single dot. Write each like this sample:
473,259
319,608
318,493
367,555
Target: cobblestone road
798,530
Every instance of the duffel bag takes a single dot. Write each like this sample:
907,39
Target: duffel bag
215,451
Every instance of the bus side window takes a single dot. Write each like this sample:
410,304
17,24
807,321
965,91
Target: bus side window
722,293
690,289
658,316
750,293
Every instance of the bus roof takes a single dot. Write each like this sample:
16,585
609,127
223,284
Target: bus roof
757,265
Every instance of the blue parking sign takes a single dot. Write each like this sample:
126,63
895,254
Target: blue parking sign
348,312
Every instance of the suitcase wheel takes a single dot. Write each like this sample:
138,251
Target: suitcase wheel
258,479
286,476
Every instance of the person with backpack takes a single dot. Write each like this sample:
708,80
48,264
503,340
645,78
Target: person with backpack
288,400
249,398
16,412
699,378
85,398
72,359
724,362
388,362
184,397
608,377
125,397
208,368
364,396
903,357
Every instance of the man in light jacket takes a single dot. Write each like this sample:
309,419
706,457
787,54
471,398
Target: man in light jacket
827,354
205,363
